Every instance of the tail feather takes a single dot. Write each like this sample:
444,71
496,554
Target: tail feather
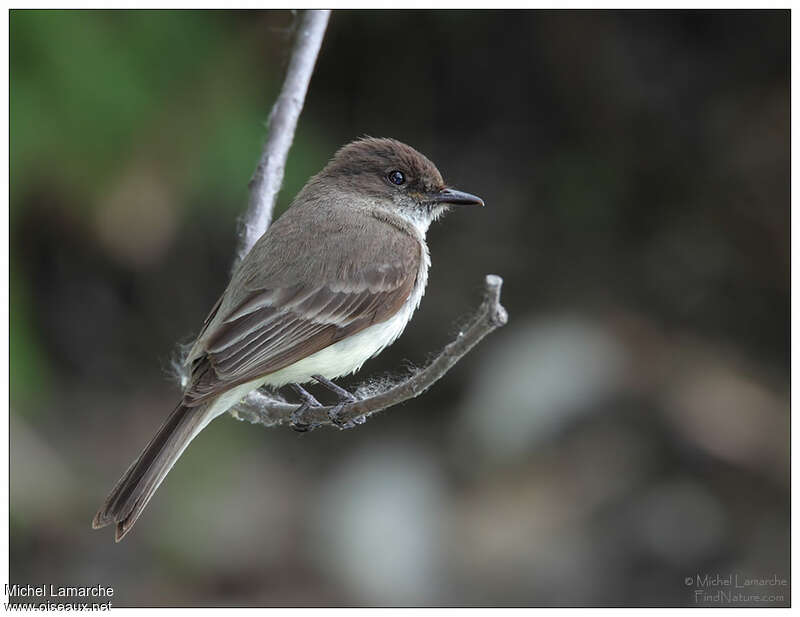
133,490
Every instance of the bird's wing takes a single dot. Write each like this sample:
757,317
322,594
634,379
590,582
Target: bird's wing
274,323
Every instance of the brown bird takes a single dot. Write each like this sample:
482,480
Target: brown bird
330,284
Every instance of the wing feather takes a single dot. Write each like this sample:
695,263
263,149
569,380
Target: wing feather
272,327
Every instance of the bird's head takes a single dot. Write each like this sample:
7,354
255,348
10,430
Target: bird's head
395,176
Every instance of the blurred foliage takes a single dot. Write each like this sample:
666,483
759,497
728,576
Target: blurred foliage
95,94
87,78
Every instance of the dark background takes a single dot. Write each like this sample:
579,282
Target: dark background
626,433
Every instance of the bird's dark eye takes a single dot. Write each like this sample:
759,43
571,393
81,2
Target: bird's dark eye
396,177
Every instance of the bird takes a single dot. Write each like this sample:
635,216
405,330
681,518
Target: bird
331,283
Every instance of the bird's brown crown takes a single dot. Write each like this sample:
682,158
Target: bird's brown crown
379,158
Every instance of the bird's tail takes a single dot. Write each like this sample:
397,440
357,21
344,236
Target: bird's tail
133,490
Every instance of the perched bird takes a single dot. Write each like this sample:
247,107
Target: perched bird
331,283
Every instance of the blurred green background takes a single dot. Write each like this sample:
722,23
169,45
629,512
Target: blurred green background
627,432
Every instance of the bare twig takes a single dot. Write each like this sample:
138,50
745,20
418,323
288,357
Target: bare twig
260,407
268,177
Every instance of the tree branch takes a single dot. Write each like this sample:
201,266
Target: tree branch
269,409
268,176
261,407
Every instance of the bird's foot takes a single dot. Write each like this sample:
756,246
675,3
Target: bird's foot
298,422
345,398
334,414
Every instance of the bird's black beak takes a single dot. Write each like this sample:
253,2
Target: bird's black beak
455,198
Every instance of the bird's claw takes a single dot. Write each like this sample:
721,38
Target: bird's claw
345,398
336,411
297,420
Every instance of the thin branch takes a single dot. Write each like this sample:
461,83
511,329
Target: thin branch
268,177
260,407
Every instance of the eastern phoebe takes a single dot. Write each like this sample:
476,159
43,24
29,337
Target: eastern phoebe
330,284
